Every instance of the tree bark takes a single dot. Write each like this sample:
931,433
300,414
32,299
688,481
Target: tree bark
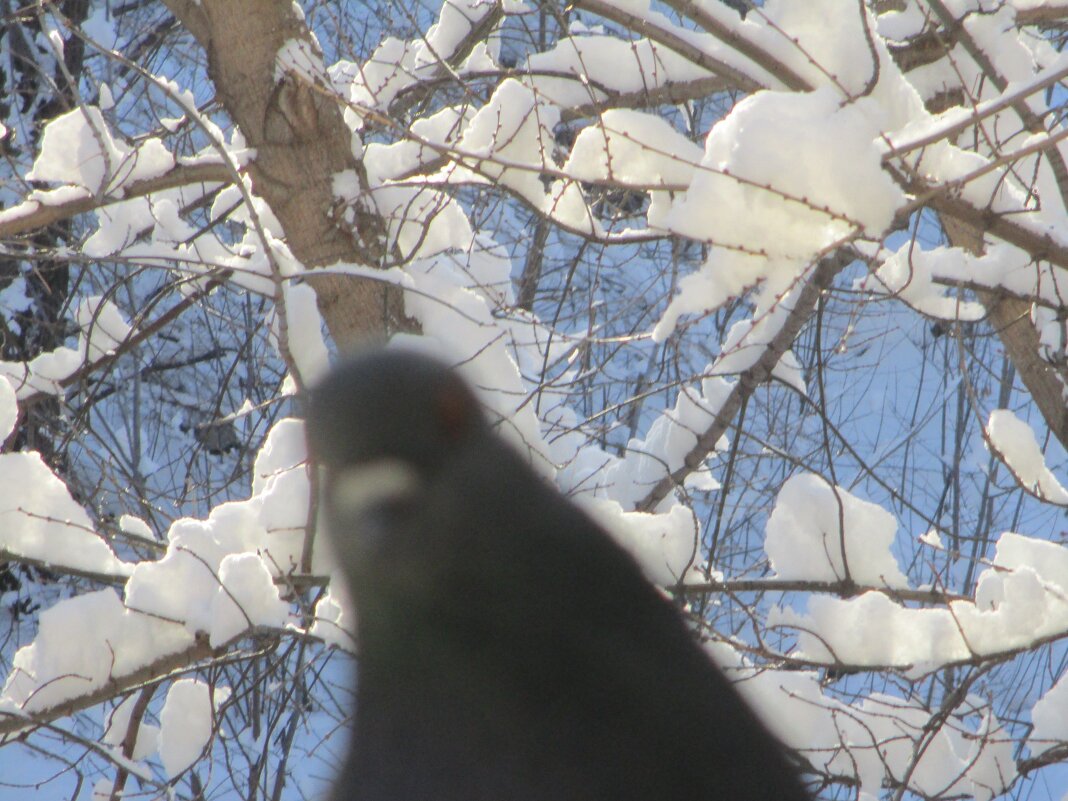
301,142
1011,319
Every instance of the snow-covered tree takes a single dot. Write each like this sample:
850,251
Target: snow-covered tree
775,290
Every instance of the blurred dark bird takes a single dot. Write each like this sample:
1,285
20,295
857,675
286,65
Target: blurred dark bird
509,650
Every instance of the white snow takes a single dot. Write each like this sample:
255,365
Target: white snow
39,519
185,585
909,274
455,21
422,221
510,142
949,759
117,722
82,643
431,137
181,585
9,409
280,494
303,329
665,445
810,523
991,758
396,64
1050,718
750,191
335,618
768,211
1018,605
876,737
873,630
932,537
79,148
665,544
216,576
1015,442
901,24
377,82
298,56
725,275
246,597
103,326
618,65
103,329
191,584
51,197
633,148
920,277
1021,598
106,101
186,723
746,342
136,526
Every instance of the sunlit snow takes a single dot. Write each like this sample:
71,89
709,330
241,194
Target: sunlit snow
186,723
821,533
79,148
1014,440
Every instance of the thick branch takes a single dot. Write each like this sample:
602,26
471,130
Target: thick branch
750,379
150,673
301,144
113,579
1048,14
43,215
479,31
844,589
1010,316
1051,756
671,41
758,55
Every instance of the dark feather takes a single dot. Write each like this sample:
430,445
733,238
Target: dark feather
509,649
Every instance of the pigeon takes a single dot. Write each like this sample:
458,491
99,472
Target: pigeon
508,648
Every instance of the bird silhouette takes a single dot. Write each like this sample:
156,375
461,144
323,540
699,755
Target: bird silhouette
508,649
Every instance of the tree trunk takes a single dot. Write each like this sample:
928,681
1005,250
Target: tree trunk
301,143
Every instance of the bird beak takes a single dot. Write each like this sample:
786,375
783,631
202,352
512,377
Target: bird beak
357,489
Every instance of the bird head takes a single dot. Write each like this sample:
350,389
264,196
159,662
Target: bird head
391,406
383,424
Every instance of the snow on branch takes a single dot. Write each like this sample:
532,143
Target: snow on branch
718,219
1021,600
823,533
1013,442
